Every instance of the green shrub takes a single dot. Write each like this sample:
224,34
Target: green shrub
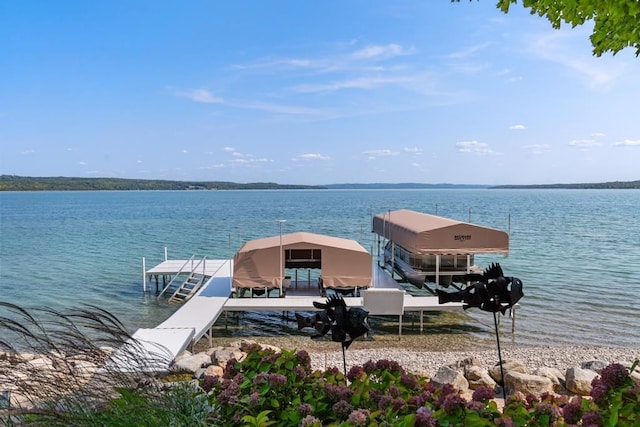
283,391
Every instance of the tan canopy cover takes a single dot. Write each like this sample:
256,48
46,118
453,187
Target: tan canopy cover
345,263
425,234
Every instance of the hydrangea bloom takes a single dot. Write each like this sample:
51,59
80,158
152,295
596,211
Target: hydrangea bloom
614,376
277,380
592,419
342,408
310,421
305,409
409,381
546,409
304,359
483,394
572,411
453,402
355,373
424,418
359,417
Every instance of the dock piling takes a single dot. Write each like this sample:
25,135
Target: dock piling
144,276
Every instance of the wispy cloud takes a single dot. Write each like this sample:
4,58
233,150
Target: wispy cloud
368,82
597,135
382,51
517,127
474,147
556,47
277,108
628,143
414,150
83,163
310,156
374,154
246,161
584,144
468,51
537,148
27,152
200,95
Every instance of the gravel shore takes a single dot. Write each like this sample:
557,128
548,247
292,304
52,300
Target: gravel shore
425,354
428,362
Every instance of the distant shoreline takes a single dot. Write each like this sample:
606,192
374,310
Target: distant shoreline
26,183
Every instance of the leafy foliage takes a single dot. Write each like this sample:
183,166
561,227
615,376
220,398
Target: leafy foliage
616,22
267,388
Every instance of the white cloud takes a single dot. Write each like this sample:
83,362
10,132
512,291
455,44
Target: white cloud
244,161
373,154
468,51
584,143
27,152
185,152
276,108
381,51
310,156
414,150
629,143
475,147
555,46
356,83
597,134
200,95
229,149
83,163
537,148
517,127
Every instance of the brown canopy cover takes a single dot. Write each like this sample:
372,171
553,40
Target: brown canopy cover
426,234
345,263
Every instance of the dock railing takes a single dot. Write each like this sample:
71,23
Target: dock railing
190,260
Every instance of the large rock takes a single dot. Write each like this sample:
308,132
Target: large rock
464,363
447,375
594,365
191,363
220,356
213,371
526,383
555,375
507,366
579,380
478,377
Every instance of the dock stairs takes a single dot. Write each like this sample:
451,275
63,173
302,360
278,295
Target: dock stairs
189,287
195,279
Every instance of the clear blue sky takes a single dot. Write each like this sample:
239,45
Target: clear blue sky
302,92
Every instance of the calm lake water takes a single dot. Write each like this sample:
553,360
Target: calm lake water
576,251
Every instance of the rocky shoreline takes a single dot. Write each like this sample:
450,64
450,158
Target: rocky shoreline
527,369
428,362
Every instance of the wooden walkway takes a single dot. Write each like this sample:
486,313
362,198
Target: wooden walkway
195,318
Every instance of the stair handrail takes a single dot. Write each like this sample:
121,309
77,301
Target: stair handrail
175,276
193,271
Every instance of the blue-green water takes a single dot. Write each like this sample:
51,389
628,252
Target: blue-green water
576,251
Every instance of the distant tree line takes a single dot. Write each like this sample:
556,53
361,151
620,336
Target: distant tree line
25,183
594,186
